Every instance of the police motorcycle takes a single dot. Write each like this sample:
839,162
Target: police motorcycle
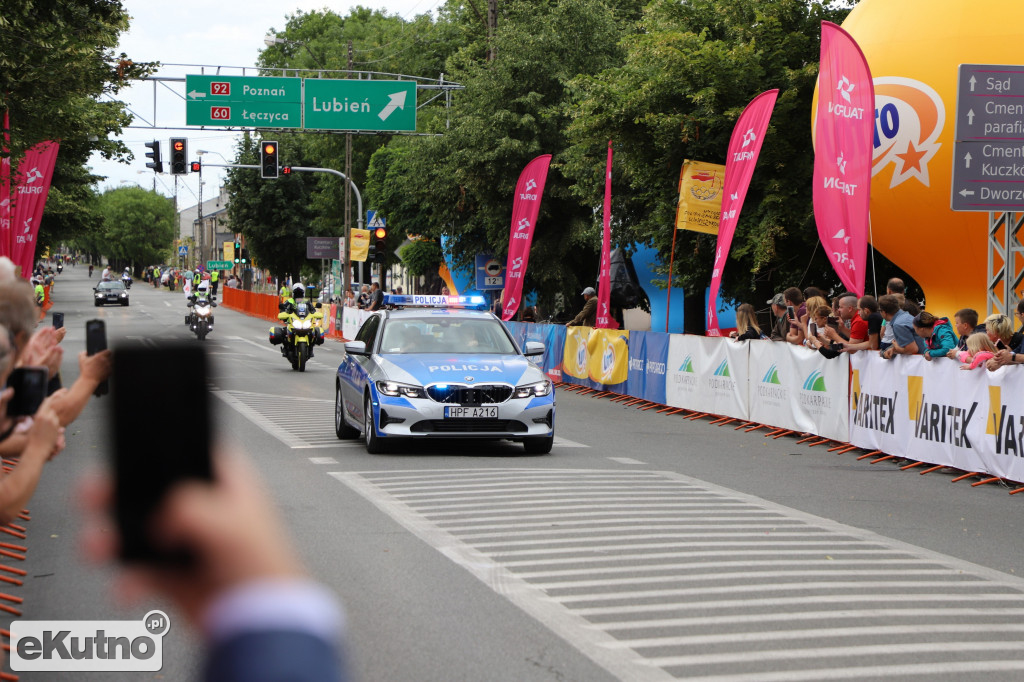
60,267
302,329
126,278
200,319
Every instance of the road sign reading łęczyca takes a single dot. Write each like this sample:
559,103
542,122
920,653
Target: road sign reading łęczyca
360,105
251,101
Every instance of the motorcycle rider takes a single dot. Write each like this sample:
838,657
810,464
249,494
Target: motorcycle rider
126,277
202,292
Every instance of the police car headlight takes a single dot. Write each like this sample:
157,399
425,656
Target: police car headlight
395,389
99,295
124,294
541,388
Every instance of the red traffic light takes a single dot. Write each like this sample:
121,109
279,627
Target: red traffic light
178,145
380,233
286,170
269,148
196,166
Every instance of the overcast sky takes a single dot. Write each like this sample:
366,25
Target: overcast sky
185,35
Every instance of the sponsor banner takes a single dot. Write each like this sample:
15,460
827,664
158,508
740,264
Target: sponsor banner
934,412
360,245
844,133
608,363
604,280
648,364
525,208
741,158
798,389
5,192
707,375
352,320
31,187
700,196
553,338
574,356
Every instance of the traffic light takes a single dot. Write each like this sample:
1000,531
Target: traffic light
155,164
245,257
197,167
179,150
268,159
238,252
380,236
286,170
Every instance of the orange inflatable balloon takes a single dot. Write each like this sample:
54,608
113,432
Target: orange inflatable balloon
913,48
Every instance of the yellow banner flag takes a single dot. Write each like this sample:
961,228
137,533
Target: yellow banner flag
229,251
700,196
360,244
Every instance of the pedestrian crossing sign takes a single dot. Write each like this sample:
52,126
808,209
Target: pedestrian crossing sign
374,219
183,250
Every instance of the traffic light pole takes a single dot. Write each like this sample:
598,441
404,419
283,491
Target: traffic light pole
308,169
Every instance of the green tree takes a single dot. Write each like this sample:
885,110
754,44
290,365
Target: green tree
687,75
139,227
460,184
274,216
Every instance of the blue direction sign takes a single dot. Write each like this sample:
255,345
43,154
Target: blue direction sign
988,147
490,273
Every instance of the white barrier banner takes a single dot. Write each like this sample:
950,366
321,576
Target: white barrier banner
352,319
937,413
707,375
796,388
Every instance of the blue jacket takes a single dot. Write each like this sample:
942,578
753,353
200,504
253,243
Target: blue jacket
943,338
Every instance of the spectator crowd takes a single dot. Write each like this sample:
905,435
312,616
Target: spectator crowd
890,325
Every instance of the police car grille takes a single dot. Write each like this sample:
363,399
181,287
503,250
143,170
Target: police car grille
484,394
469,425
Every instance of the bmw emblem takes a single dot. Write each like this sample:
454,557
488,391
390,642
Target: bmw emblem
469,378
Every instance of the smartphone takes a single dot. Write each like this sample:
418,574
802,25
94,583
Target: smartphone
814,329
790,312
58,320
29,384
96,341
153,451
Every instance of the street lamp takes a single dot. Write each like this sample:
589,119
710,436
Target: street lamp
200,152
270,40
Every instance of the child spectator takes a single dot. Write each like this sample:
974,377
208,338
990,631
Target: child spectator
816,329
937,334
979,349
966,323
812,305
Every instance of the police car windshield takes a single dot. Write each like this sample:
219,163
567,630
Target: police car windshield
111,285
445,335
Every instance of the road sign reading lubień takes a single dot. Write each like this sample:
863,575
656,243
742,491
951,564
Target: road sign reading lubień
251,101
359,105
988,147
219,265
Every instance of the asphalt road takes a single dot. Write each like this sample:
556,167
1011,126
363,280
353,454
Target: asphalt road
644,547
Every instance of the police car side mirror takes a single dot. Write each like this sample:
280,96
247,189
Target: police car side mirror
534,348
356,348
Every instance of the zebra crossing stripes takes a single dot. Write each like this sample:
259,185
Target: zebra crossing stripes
299,423
659,576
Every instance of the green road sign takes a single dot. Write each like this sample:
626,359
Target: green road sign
249,101
219,265
360,105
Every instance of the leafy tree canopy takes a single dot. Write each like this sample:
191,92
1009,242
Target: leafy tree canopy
139,226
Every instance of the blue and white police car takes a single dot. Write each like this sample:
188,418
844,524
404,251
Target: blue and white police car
433,367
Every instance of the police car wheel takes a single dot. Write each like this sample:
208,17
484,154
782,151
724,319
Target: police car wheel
370,438
341,427
538,445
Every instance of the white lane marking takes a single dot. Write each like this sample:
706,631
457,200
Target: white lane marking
877,672
592,643
323,460
566,443
606,572
263,347
167,303
626,460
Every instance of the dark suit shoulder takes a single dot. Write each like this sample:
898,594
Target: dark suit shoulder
274,656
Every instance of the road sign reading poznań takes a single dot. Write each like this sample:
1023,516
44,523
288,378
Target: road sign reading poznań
243,101
318,103
359,104
988,151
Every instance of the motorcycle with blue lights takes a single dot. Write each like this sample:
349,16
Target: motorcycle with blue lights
301,332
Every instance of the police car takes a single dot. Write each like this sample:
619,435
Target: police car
431,367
